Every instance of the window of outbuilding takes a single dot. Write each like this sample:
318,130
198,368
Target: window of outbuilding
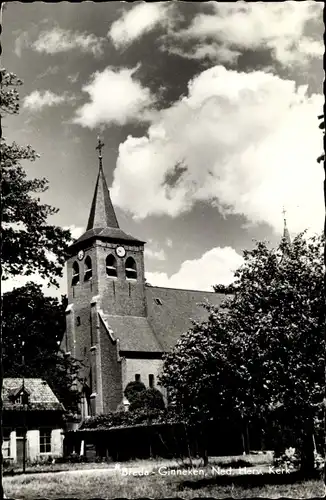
88,269
131,269
75,274
111,266
45,440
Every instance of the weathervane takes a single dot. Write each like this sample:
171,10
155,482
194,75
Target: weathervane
99,147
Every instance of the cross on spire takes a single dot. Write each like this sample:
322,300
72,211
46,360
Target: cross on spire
99,147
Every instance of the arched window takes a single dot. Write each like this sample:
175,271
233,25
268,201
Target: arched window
131,269
88,269
111,266
75,273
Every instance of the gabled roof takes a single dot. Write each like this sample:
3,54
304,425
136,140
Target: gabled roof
171,310
41,396
134,333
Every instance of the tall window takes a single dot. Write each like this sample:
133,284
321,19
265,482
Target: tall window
151,380
131,269
45,440
88,269
111,266
137,377
75,273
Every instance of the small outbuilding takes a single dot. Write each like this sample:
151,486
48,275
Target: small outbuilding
32,420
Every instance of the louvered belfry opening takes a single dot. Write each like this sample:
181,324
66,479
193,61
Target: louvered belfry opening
111,266
88,269
131,269
75,274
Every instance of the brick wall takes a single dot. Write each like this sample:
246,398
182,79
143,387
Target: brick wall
119,295
112,393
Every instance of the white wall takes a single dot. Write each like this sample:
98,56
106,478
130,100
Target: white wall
33,444
130,367
56,442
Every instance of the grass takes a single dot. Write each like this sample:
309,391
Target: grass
154,479
58,467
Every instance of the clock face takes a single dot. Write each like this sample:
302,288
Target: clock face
80,255
120,251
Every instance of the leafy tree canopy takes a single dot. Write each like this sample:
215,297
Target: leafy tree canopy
264,348
29,243
32,329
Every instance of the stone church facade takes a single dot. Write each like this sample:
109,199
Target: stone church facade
117,324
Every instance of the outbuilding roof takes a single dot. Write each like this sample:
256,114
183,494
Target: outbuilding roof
40,395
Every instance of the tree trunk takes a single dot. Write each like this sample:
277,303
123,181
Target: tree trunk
205,456
203,445
307,466
245,437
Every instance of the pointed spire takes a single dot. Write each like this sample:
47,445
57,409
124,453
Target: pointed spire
102,212
286,235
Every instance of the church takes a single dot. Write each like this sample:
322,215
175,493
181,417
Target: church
118,325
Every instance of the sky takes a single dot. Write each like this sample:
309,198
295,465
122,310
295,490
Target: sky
208,112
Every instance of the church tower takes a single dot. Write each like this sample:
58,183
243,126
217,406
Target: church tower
105,271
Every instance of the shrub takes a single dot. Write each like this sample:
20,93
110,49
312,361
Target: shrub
133,389
148,400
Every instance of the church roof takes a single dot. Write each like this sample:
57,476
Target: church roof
134,333
286,233
102,220
102,213
107,233
40,395
170,311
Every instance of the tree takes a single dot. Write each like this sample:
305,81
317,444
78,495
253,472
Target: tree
29,243
262,352
32,329
148,400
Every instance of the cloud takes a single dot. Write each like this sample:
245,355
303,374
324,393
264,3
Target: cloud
19,281
278,26
217,266
21,42
51,70
73,78
137,21
115,97
155,254
245,142
38,100
59,40
76,231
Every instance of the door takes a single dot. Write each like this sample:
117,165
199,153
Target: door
20,448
